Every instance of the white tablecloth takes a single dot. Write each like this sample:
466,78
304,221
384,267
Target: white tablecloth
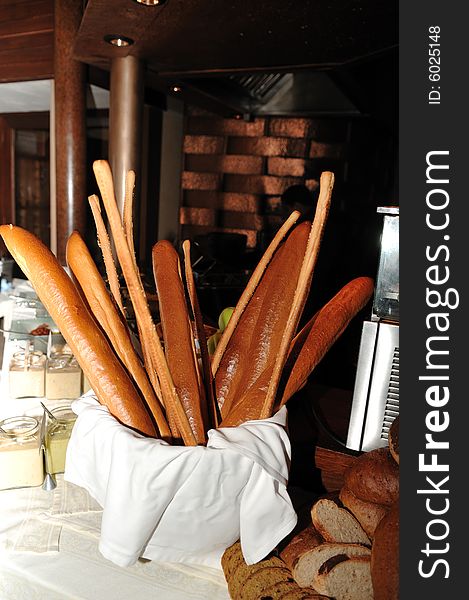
72,567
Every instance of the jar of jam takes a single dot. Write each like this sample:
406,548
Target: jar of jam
21,458
58,433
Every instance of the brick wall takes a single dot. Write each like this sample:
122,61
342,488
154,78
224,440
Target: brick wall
236,171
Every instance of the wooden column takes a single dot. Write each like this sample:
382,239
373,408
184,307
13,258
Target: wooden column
70,125
125,124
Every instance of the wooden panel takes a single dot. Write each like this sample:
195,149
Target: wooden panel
26,40
6,173
205,36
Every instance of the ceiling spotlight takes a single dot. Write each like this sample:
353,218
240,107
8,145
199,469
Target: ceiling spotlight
151,2
176,89
118,40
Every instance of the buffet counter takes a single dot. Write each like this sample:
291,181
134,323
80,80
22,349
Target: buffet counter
49,550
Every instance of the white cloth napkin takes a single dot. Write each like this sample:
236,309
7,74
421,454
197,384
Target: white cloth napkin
183,504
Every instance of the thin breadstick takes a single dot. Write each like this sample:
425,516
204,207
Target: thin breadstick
302,288
128,211
250,288
150,337
105,245
104,309
212,406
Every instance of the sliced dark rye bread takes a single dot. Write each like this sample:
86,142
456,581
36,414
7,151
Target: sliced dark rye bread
265,577
303,594
288,590
336,523
369,514
245,571
344,578
231,559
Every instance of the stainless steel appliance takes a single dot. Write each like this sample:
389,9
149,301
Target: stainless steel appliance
376,392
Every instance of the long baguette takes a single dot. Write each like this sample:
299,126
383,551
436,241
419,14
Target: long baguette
177,335
252,350
329,324
251,288
104,309
152,349
108,378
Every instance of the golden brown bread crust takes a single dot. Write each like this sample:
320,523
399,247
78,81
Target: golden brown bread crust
177,334
385,557
324,329
374,477
108,378
393,439
368,514
302,542
104,309
251,352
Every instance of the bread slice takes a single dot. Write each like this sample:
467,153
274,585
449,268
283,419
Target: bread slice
344,578
368,514
231,559
303,594
304,541
287,590
245,571
263,578
337,524
277,590
309,564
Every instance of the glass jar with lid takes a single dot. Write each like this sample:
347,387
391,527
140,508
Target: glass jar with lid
27,374
58,433
21,458
63,377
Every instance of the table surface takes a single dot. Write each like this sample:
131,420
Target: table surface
77,569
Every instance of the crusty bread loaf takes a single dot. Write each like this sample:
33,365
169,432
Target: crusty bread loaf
393,439
326,327
108,378
385,557
374,477
104,309
368,514
337,524
258,334
177,333
344,578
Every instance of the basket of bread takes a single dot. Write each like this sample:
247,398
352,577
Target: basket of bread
165,406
